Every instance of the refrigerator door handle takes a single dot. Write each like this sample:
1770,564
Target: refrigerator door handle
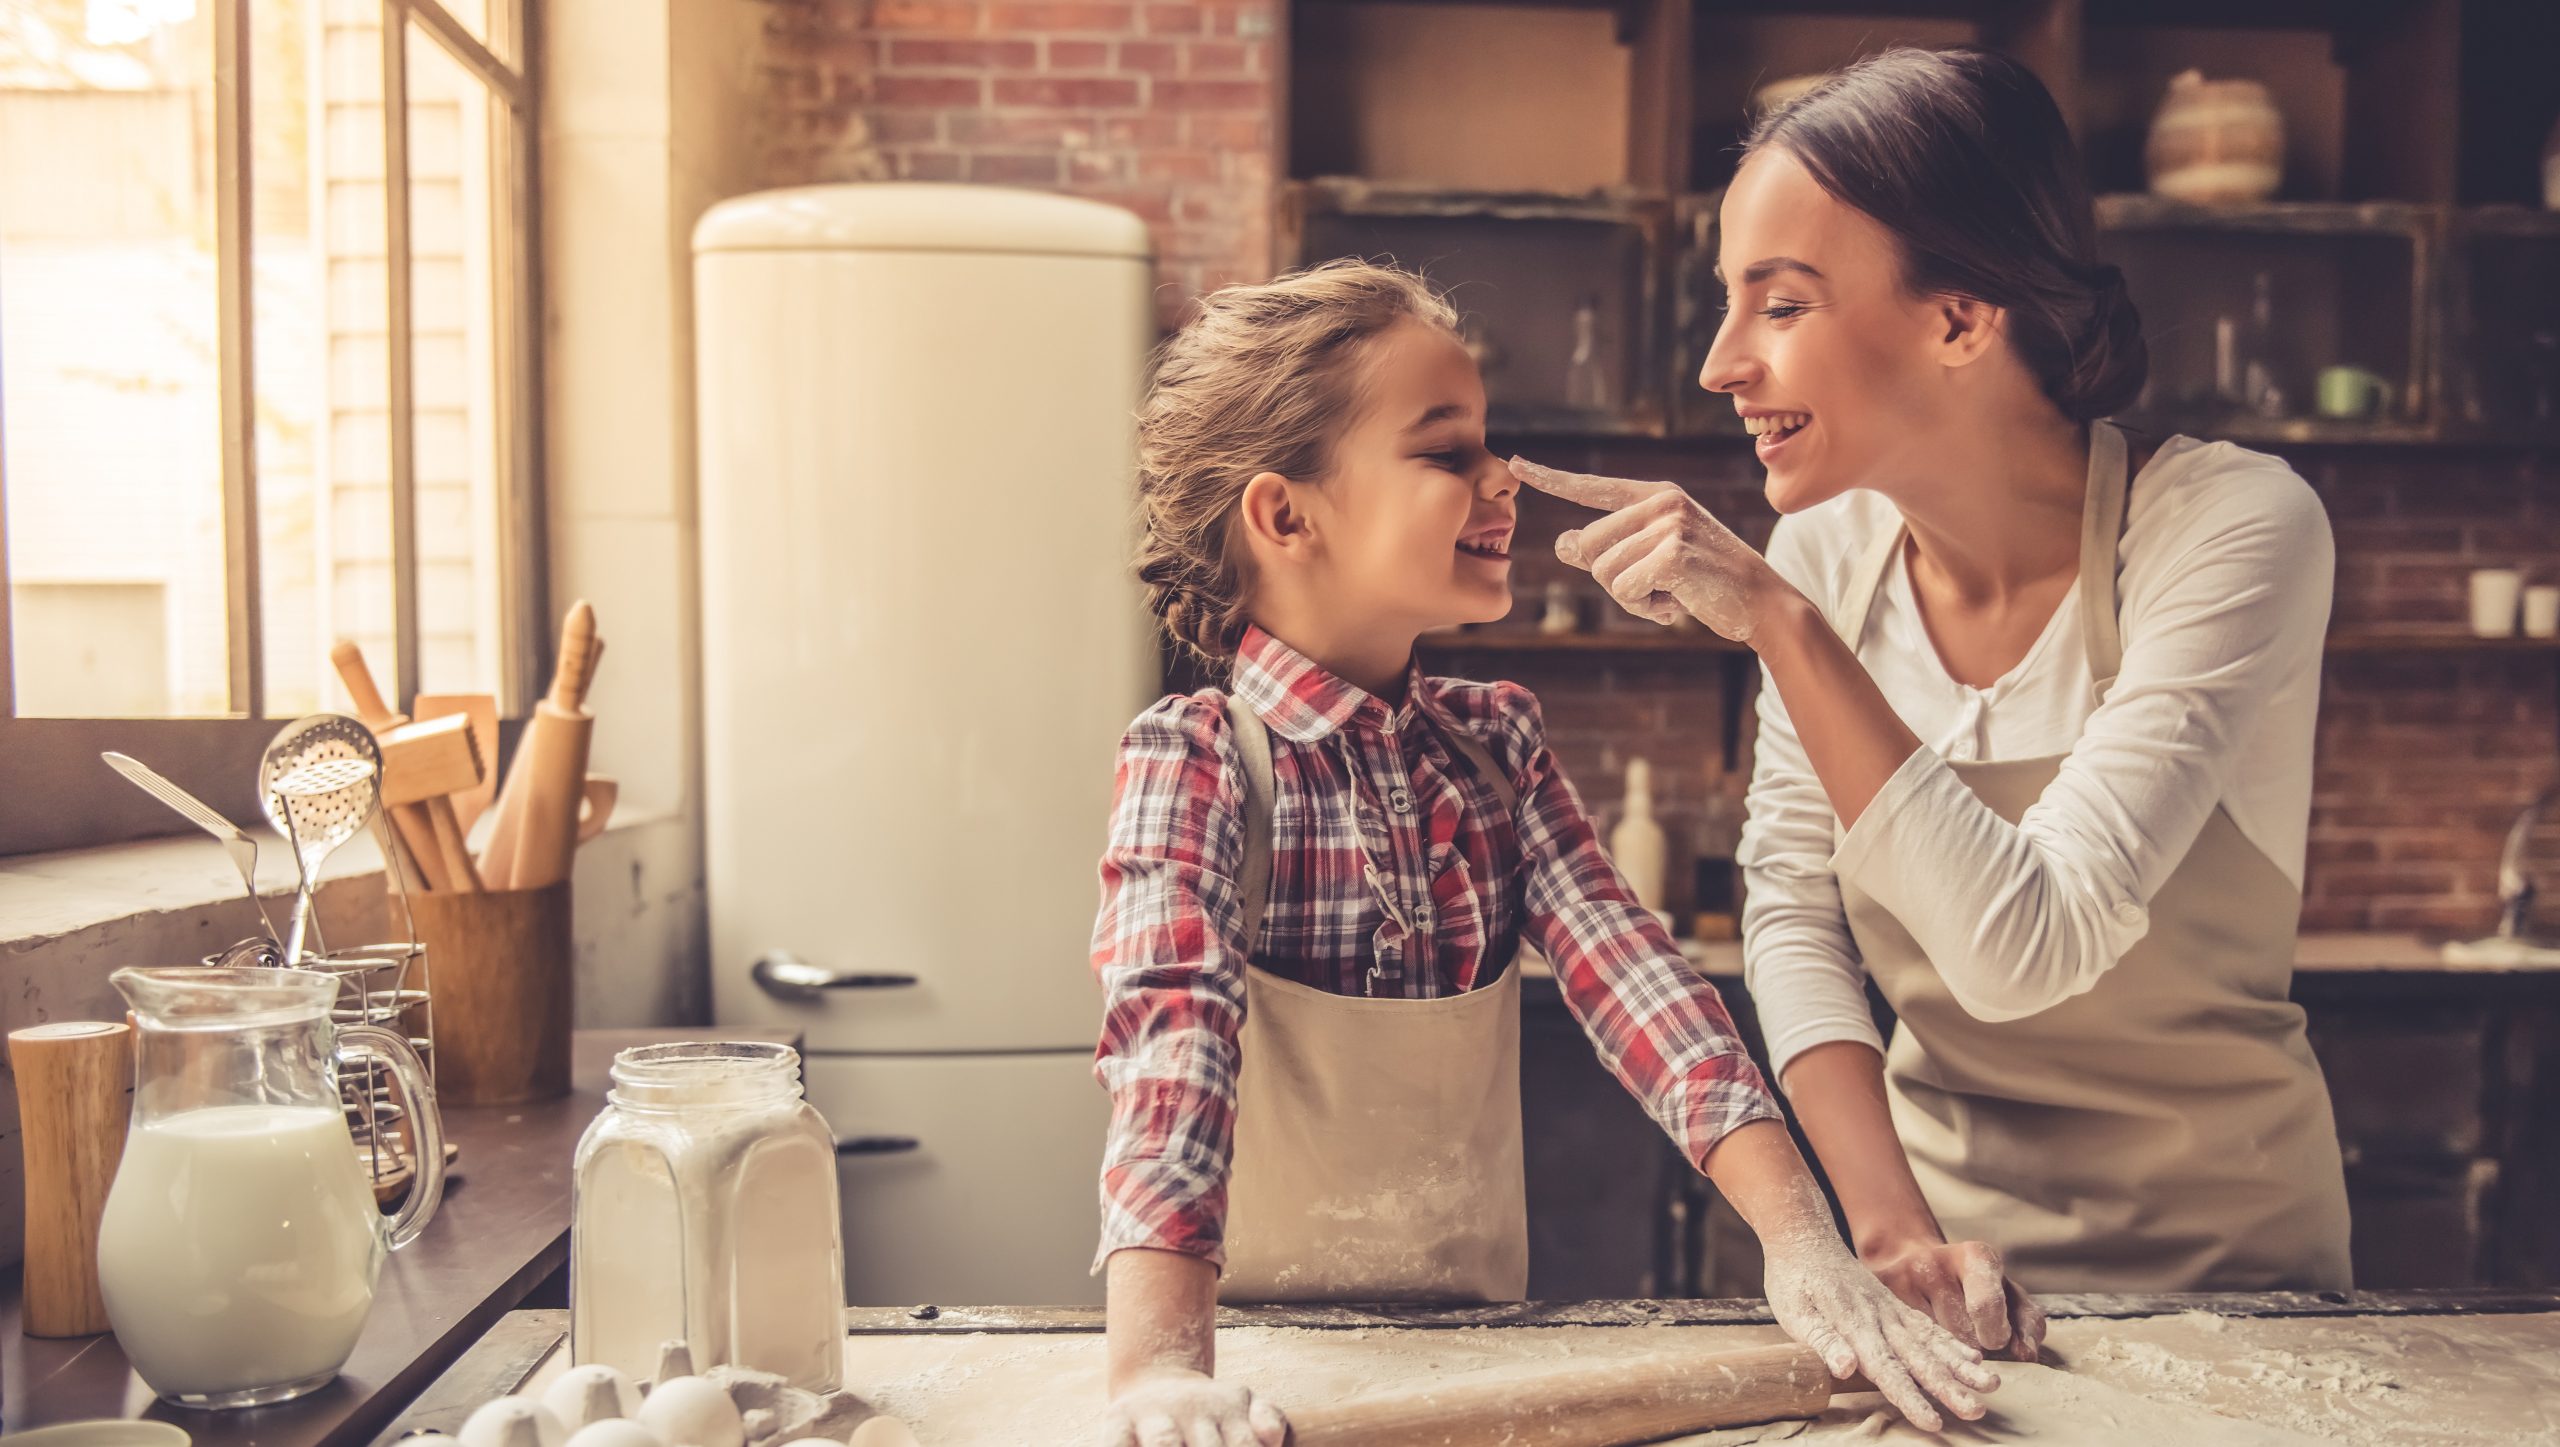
786,976
877,1145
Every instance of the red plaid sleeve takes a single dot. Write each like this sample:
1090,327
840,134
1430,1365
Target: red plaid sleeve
1167,949
1656,1023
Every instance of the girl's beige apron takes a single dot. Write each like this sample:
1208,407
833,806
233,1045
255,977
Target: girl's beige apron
2169,1129
1377,1142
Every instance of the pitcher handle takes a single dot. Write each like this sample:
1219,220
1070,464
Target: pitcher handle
358,1043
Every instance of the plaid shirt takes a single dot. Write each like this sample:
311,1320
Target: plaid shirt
1394,872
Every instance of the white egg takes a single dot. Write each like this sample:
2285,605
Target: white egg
882,1432
690,1412
592,1393
615,1432
813,1442
514,1422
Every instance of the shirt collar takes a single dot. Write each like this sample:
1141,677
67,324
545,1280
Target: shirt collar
1301,700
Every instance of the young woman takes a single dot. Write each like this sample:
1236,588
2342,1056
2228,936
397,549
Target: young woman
2035,750
1316,880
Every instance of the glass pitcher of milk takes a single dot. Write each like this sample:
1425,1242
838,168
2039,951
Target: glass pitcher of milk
240,1242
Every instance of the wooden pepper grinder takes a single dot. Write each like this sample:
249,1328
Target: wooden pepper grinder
74,1080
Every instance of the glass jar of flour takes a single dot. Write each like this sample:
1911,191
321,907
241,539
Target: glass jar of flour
704,1211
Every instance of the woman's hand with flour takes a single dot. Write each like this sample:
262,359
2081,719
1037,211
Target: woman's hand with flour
1659,553
1830,1302
1827,1299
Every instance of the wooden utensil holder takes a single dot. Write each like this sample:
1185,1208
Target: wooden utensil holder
500,976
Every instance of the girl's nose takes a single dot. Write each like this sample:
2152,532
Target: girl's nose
1497,480
1729,366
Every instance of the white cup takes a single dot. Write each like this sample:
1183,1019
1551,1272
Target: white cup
2542,611
2494,592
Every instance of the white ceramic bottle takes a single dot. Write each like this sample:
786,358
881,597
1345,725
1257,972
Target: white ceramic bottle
1636,846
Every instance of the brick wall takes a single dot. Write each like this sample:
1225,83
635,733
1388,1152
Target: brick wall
1165,107
1169,109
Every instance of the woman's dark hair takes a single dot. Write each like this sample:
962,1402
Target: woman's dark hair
1962,155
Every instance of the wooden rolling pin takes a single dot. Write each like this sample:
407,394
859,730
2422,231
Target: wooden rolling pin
72,1109
1598,1405
536,834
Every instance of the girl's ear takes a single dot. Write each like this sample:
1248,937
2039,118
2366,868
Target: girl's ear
1967,328
1273,520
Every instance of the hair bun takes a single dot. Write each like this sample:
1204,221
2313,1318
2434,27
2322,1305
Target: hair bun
2109,360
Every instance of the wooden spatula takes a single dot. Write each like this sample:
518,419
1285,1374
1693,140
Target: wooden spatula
1593,1405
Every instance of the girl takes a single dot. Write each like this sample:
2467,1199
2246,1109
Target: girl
2035,754
1316,880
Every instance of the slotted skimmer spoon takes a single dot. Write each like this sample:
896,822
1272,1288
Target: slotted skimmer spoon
320,780
242,849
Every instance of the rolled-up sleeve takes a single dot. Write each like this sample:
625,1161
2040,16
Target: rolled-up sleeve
1167,948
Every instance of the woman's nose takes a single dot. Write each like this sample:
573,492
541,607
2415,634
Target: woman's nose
1729,366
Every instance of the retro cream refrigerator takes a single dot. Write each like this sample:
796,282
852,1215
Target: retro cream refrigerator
921,642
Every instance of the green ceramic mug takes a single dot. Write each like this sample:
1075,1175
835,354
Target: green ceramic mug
2349,392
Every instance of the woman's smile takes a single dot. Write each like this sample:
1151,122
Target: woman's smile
1772,430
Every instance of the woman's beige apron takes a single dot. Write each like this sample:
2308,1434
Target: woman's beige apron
1377,1142
2169,1129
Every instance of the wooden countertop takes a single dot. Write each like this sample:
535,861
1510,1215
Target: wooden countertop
895,1355
502,1229
2325,952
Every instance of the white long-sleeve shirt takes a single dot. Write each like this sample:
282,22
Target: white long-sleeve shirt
2225,572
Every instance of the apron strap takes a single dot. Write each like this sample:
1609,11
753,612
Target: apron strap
1476,753
1253,877
2102,519
1868,581
1253,744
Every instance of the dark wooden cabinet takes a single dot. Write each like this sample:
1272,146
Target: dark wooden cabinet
2445,1085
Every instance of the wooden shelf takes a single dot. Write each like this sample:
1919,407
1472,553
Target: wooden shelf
1628,642
2290,431
2432,640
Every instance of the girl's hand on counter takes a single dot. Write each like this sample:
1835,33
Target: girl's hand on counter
1827,1300
1965,1286
1181,1408
1660,553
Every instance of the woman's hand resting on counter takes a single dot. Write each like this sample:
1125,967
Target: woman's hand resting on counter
1660,553
1965,1287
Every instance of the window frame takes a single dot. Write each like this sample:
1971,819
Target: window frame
53,793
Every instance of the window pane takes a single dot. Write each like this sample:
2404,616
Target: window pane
328,565
491,22
109,339
456,212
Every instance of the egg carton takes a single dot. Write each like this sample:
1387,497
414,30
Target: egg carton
597,1406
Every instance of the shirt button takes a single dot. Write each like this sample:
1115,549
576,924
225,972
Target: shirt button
1401,801
2130,914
